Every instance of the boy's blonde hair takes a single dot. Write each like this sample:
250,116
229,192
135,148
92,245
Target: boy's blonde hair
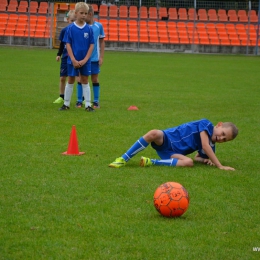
81,5
71,14
233,128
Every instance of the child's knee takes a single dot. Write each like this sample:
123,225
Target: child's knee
188,162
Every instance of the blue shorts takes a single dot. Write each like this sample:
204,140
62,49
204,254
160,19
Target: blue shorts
95,69
84,70
63,68
165,150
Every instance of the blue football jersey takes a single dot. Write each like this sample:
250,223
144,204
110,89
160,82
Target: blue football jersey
80,39
98,32
185,139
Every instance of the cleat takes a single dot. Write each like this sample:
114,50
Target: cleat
64,107
89,109
58,101
96,105
79,104
145,162
119,162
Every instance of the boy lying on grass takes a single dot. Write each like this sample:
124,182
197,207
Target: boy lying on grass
173,144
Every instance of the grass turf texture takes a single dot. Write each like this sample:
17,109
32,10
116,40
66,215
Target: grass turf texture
63,207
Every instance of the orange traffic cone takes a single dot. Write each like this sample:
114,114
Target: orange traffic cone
73,148
133,108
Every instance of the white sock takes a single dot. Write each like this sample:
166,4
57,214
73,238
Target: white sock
67,94
86,94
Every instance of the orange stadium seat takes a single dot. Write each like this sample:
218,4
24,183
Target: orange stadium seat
133,13
162,12
113,11
103,11
123,11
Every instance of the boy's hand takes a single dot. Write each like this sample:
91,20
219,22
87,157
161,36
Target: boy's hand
227,168
208,162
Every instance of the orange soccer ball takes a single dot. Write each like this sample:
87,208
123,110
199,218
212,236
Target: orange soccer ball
171,199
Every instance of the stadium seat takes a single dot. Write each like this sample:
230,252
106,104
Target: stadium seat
123,38
123,11
212,17
243,18
144,38
143,12
225,42
113,11
223,18
133,37
11,8
172,14
33,7
43,8
253,18
103,11
104,22
203,17
220,25
184,39
133,12
233,18
174,39
153,38
132,23
162,12
152,11
210,25
63,7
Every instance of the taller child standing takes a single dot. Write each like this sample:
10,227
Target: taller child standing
96,59
80,44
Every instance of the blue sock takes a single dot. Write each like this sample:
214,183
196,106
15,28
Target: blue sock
138,146
168,162
96,90
79,93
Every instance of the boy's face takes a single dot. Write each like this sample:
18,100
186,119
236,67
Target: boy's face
221,134
88,18
71,19
81,15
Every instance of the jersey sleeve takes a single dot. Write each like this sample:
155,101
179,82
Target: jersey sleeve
101,32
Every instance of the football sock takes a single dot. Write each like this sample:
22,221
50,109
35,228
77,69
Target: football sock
138,146
62,96
96,90
67,94
86,94
168,162
79,92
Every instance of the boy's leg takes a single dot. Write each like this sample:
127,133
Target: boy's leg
79,93
96,93
155,136
175,160
68,93
95,70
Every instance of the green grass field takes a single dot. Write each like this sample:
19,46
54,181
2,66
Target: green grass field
75,207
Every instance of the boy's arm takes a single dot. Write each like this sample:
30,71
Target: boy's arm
198,158
209,152
102,50
70,53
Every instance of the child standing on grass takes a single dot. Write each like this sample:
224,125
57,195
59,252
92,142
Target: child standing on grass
173,144
96,59
80,44
63,56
